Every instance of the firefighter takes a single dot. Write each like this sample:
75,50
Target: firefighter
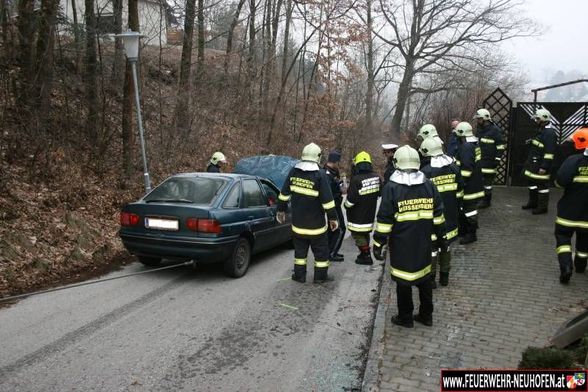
446,176
492,146
216,162
411,211
427,131
452,143
539,163
572,209
308,190
389,149
335,238
361,203
468,159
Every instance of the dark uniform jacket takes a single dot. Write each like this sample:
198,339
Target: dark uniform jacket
572,208
411,211
468,159
308,189
541,153
212,168
388,171
492,145
362,199
446,176
334,180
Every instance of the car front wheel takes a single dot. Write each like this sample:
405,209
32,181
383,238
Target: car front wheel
150,261
236,266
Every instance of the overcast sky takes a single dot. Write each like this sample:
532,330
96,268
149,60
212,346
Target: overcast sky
563,46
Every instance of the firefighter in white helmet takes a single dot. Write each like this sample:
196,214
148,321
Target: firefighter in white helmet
492,145
411,211
216,162
446,176
468,159
540,162
308,190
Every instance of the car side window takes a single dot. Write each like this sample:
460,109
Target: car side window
233,200
252,194
271,192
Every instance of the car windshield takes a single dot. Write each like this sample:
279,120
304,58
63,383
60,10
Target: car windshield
195,190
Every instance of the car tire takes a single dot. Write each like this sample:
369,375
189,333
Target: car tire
150,261
236,266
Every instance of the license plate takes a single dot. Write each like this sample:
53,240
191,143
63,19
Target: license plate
162,224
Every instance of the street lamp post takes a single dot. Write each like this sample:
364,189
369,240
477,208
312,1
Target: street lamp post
131,44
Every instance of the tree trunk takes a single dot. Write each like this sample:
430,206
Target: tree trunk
44,61
285,49
90,69
201,42
128,136
251,58
232,32
183,99
26,32
369,97
119,60
402,99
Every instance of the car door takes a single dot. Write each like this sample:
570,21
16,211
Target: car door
259,214
283,231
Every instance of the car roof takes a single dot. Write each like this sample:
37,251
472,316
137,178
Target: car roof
232,176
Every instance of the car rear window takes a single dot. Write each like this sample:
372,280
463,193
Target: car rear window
196,190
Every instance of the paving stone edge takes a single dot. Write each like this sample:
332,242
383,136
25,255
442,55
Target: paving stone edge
372,377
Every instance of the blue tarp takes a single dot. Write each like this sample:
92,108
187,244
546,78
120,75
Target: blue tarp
273,167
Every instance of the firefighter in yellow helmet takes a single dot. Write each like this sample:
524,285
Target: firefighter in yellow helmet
307,188
361,203
216,162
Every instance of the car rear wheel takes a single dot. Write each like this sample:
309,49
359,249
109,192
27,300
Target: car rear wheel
150,261
236,266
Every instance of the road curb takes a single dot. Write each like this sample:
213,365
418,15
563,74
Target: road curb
372,376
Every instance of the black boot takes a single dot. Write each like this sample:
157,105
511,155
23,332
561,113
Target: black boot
364,258
444,278
532,203
565,273
542,203
321,276
580,264
486,201
469,238
336,258
299,274
396,320
425,320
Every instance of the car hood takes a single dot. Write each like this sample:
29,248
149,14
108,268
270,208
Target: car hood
272,167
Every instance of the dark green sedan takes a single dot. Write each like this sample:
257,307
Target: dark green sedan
206,217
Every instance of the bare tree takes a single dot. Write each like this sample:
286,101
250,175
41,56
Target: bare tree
183,99
90,69
438,34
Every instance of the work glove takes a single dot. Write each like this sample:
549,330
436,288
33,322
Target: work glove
378,252
334,225
281,217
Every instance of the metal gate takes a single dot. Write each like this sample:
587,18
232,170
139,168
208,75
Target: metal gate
567,117
500,107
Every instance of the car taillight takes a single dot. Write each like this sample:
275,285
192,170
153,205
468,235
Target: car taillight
192,224
204,225
129,219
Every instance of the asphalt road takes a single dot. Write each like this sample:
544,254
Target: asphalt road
195,331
